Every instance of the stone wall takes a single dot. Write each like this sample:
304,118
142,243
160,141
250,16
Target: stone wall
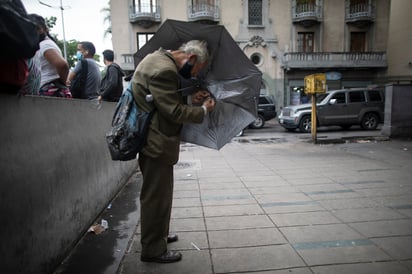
56,177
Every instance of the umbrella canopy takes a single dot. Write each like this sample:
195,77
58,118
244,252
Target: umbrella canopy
230,76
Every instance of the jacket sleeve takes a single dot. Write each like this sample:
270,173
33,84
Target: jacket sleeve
169,102
109,83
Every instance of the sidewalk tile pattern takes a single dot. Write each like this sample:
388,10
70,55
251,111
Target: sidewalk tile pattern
288,207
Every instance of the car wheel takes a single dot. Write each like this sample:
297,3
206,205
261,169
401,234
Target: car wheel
240,133
305,124
258,123
369,121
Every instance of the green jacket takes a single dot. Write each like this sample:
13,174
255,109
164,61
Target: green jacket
157,74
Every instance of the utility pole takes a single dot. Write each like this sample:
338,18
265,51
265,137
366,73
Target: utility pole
64,34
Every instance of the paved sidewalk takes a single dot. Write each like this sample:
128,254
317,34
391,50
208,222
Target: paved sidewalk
289,207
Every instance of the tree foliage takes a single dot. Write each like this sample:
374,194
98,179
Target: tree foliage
71,45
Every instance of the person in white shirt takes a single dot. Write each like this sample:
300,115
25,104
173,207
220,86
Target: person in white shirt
54,68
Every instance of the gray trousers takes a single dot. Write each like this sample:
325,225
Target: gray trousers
156,198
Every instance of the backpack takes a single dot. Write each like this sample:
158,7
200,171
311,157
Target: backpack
129,129
78,84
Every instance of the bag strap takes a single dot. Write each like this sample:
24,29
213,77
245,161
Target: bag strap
85,70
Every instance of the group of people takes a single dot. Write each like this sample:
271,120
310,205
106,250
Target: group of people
56,79
159,74
48,72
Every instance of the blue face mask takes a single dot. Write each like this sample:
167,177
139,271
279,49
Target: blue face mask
79,55
186,70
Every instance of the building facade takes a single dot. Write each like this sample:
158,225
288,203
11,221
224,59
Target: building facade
286,39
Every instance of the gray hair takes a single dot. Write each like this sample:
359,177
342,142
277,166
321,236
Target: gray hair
198,48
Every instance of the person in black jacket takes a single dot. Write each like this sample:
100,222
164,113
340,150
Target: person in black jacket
111,87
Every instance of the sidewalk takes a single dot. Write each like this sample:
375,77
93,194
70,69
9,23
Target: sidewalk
277,206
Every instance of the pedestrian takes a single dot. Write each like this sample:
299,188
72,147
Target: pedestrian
90,87
53,67
158,74
111,86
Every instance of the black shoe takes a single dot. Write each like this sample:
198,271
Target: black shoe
167,257
172,238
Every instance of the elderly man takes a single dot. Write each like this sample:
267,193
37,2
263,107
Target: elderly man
158,75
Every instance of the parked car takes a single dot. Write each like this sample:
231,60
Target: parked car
346,107
266,110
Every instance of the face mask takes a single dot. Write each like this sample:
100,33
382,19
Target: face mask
79,55
186,70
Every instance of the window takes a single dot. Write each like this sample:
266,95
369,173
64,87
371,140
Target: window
356,96
374,96
144,6
305,6
203,5
357,41
256,59
142,39
357,6
255,12
305,41
340,98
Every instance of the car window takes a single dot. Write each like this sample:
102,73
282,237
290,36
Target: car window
263,101
356,96
340,97
374,96
320,97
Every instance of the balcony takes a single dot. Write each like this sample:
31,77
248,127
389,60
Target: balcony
127,62
203,12
306,14
145,16
360,14
335,60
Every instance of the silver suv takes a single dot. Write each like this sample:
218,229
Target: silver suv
346,107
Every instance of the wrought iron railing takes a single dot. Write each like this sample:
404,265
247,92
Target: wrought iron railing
145,12
306,11
360,11
203,11
334,59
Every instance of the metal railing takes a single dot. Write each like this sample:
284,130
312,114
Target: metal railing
306,11
145,12
203,11
360,11
334,59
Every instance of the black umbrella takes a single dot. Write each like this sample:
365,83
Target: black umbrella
230,76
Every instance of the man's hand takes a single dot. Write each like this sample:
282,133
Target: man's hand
199,97
209,103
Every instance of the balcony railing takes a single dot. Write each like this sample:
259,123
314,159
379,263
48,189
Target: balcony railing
314,60
360,12
127,62
145,15
203,11
307,13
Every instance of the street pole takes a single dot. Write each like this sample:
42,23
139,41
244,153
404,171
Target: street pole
64,35
313,121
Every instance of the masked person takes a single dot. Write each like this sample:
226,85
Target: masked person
86,68
158,75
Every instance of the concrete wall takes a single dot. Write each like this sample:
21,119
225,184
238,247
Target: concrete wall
398,112
56,176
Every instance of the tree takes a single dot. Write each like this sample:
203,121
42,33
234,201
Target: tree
107,19
71,45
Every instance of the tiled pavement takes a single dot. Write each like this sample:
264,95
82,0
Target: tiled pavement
290,207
